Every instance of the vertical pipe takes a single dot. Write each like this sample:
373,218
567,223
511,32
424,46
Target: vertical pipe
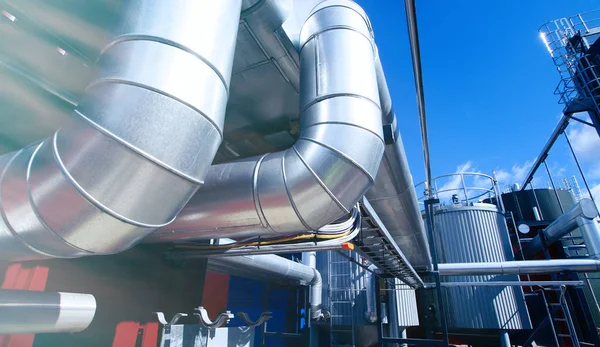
504,339
536,214
498,193
562,210
403,335
393,310
580,170
429,212
462,179
379,312
413,35
537,202
589,285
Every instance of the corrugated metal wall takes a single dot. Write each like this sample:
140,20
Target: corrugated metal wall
478,234
406,300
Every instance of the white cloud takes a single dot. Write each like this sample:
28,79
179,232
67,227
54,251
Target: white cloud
516,174
585,142
595,190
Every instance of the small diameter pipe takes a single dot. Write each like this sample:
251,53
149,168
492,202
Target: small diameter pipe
31,312
413,36
519,267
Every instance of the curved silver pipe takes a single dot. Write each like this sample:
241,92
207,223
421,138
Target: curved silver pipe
274,268
335,159
32,312
519,267
583,216
393,195
141,141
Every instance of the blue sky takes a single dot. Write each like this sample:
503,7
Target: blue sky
489,83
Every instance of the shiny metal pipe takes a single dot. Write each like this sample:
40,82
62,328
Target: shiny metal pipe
415,51
141,141
519,267
582,216
32,312
274,268
335,159
505,339
393,195
432,285
371,312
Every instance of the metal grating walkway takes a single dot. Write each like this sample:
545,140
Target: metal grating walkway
377,245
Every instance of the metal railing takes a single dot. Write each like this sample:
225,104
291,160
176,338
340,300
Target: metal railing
578,76
464,188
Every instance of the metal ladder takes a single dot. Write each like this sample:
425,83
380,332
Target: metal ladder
341,294
558,308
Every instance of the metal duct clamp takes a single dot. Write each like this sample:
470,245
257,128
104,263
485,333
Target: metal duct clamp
167,325
205,321
265,316
174,320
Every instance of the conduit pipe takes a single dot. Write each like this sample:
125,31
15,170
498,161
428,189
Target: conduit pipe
371,312
583,216
141,141
274,268
393,195
334,161
32,312
519,267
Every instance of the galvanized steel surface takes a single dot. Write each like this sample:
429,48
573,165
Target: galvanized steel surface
140,143
340,142
478,233
276,269
393,195
406,302
28,312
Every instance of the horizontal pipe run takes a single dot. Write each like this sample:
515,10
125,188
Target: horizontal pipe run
506,284
519,267
274,268
32,312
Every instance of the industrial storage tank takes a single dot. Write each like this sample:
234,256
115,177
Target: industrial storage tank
522,203
467,231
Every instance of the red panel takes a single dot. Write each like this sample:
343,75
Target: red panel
126,334
150,338
216,291
10,277
18,277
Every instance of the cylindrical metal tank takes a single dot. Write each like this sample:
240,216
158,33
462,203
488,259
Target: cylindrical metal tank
521,203
478,233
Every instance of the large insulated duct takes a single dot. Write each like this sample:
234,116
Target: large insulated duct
393,194
334,161
32,312
140,143
274,268
519,267
583,216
